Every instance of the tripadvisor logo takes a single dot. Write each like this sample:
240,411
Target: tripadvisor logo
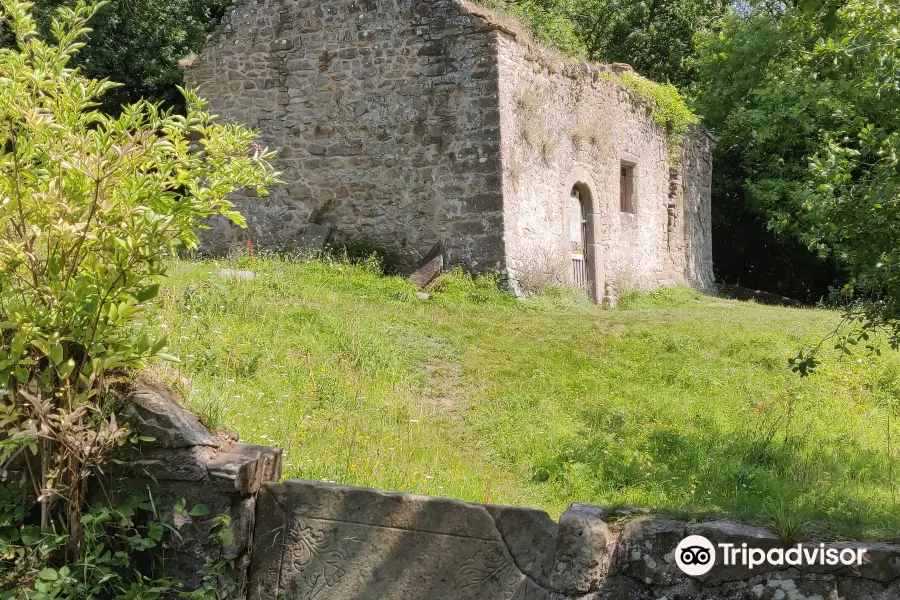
695,555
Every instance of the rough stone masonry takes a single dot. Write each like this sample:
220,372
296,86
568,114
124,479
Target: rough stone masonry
413,122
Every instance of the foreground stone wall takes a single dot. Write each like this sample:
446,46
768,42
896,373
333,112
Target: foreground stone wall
330,542
186,462
564,124
384,116
304,540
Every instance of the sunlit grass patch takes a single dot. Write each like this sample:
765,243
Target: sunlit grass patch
675,401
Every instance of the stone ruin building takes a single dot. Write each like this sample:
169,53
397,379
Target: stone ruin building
417,122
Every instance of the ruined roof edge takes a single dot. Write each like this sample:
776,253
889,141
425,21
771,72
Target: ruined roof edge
569,67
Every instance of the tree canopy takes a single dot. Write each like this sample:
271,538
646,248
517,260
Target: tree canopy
806,101
654,36
138,43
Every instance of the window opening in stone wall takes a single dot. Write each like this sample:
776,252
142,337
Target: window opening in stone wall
578,237
626,188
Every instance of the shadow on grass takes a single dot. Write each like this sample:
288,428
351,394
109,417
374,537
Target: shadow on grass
756,476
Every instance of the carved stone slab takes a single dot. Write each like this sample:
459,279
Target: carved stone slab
329,542
332,542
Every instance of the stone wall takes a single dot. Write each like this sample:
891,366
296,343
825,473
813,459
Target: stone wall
413,122
186,462
696,210
330,542
564,124
384,115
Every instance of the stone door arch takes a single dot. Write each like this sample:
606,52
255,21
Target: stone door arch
578,238
582,222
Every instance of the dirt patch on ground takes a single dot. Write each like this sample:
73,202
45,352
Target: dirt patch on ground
442,403
442,379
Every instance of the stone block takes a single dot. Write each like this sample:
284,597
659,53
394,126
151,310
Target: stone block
731,532
583,544
432,265
530,537
646,551
314,239
331,542
881,563
243,468
155,411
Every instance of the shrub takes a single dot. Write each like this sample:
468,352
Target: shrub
667,107
90,208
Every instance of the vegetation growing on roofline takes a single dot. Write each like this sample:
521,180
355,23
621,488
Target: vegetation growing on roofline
553,28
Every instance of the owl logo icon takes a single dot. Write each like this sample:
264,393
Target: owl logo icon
695,555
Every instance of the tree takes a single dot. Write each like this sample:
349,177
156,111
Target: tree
654,36
91,206
806,100
139,43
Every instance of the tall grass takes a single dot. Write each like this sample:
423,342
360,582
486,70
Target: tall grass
675,402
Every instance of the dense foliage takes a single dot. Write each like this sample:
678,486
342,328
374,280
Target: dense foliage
91,206
139,43
806,101
654,36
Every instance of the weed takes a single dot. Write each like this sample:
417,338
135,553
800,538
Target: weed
788,519
587,135
516,166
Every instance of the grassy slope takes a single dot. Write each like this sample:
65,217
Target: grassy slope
676,402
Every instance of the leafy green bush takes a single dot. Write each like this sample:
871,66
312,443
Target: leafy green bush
92,205
121,557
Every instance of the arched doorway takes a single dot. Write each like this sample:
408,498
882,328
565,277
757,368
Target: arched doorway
578,238
581,214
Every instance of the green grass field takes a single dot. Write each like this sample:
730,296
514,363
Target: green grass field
674,401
